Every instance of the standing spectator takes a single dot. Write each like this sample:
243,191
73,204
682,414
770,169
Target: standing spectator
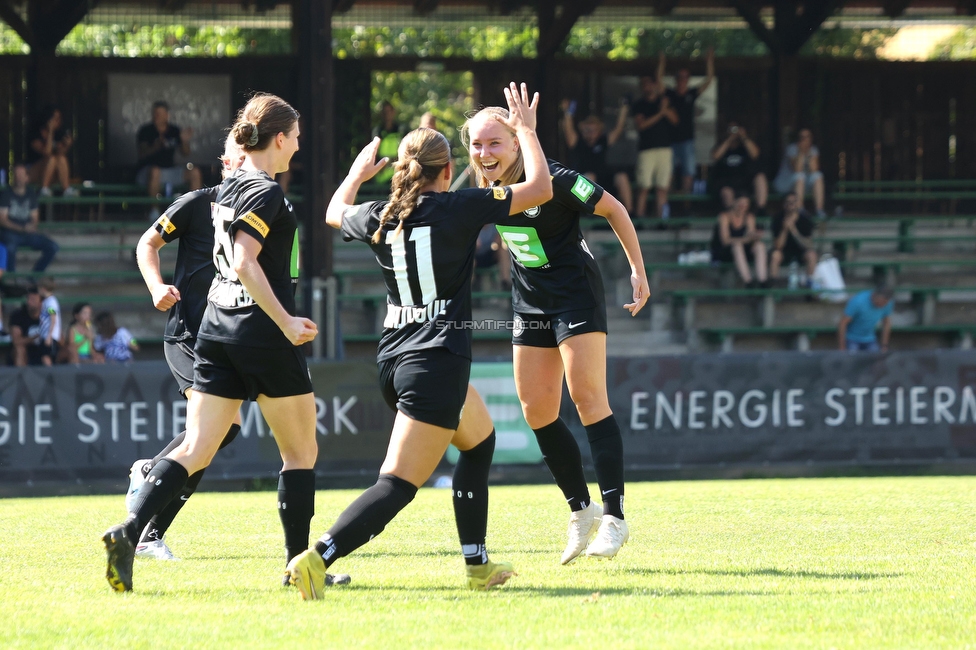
157,143
50,320
116,343
48,153
683,98
792,238
80,344
589,152
428,121
25,331
489,251
735,169
800,171
654,119
19,215
857,329
390,132
736,239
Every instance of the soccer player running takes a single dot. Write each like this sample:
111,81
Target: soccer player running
248,344
561,326
188,220
424,239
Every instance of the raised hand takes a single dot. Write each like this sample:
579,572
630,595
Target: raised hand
366,166
521,112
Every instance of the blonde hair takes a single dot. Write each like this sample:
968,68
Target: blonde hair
422,156
500,115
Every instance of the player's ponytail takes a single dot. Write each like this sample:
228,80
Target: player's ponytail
513,174
422,156
261,120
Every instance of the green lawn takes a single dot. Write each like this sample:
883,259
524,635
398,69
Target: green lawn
825,563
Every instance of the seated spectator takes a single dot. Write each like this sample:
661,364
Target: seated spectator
157,142
736,239
800,171
489,251
25,332
857,328
80,339
19,215
589,153
735,169
48,153
792,238
116,343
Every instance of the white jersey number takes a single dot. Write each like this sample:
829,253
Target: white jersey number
425,265
223,252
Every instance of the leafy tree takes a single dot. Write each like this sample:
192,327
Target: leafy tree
11,42
959,46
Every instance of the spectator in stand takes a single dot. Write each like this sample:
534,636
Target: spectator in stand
116,343
800,171
157,143
48,153
50,320
735,169
428,121
682,98
857,329
80,344
589,152
25,332
654,119
489,251
793,238
390,132
735,239
19,215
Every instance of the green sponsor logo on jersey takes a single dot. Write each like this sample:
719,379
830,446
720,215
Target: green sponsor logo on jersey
583,188
525,245
295,257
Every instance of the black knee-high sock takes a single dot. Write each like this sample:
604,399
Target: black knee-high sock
562,456
164,482
470,487
296,506
159,524
366,517
607,448
178,440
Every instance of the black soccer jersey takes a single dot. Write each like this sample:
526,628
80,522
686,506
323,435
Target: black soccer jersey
427,267
189,220
251,202
553,271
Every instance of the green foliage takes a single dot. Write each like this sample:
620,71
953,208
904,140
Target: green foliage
479,43
959,46
627,43
11,42
804,563
120,40
847,43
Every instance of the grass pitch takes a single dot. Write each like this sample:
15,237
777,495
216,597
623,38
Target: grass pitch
865,562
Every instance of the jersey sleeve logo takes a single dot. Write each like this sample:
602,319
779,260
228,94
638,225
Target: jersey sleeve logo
166,224
255,222
583,188
498,193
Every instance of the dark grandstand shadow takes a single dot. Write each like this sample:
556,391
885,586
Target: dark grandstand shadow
769,571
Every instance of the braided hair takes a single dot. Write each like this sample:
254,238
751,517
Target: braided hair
421,157
514,173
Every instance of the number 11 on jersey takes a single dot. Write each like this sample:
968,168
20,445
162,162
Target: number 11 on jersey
424,264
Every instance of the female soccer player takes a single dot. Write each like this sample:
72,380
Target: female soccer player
424,239
248,342
561,326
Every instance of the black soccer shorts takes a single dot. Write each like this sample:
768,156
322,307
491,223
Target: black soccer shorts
428,385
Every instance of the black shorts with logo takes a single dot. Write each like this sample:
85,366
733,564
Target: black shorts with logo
428,385
244,372
180,358
549,330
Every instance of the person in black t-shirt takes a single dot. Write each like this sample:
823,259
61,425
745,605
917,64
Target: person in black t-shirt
424,240
735,169
654,118
189,221
588,149
561,325
25,332
792,238
48,152
157,142
248,344
736,240
682,98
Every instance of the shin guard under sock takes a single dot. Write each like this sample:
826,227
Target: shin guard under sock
296,506
470,496
562,456
164,482
607,448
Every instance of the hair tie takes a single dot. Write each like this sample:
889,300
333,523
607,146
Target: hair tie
253,140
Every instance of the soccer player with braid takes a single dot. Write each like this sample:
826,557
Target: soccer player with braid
248,343
557,295
424,239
